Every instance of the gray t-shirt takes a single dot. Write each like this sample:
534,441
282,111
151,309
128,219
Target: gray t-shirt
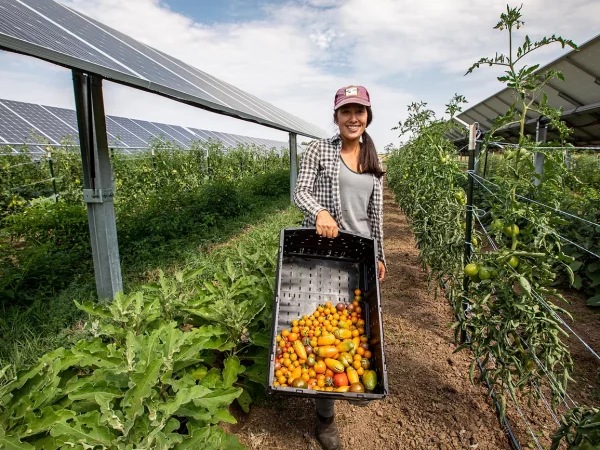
355,193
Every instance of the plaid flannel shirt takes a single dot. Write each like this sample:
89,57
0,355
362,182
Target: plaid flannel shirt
318,188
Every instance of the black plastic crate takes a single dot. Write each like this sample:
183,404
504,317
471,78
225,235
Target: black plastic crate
313,270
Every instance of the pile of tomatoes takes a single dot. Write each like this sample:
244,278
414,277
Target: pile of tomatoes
326,351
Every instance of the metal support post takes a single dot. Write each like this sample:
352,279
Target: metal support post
469,217
97,182
51,166
538,157
293,164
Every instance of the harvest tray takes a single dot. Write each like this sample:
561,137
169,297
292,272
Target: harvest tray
313,270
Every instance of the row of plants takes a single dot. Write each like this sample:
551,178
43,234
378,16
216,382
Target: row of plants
505,295
160,366
161,197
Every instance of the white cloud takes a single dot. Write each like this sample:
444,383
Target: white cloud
301,51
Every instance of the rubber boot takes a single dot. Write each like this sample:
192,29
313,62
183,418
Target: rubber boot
327,433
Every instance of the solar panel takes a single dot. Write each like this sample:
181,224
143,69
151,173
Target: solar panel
158,132
53,32
46,123
19,120
14,129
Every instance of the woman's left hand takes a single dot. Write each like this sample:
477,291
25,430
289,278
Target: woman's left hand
381,271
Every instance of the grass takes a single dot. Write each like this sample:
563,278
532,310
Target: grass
26,334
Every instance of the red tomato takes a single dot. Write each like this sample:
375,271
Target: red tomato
340,379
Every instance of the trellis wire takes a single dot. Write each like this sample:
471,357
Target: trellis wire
544,302
475,177
527,424
550,375
35,182
541,204
510,144
22,164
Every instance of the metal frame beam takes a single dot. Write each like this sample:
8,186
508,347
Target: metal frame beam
293,164
97,182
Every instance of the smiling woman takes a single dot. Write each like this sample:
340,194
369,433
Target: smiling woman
340,187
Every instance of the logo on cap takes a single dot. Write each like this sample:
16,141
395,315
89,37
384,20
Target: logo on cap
351,91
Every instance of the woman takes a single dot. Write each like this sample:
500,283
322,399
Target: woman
340,187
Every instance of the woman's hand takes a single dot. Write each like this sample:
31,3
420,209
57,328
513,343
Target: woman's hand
381,271
326,225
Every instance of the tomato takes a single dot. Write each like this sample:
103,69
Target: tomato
278,373
305,377
300,383
513,262
511,230
340,379
485,273
471,270
293,337
356,387
364,338
497,224
364,363
285,333
368,354
321,382
320,367
357,292
329,373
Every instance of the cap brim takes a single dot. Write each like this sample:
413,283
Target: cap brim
352,100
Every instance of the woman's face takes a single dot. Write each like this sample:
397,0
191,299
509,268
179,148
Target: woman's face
352,120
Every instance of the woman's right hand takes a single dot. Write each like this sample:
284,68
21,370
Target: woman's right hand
326,225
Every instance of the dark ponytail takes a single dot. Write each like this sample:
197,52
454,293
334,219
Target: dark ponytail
368,160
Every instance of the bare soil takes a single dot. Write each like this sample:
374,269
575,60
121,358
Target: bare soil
432,404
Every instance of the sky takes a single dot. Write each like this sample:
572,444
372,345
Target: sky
297,53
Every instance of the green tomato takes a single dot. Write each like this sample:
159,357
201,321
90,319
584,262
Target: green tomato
513,262
471,270
511,230
485,273
497,224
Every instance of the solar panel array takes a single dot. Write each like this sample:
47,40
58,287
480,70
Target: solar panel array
51,31
22,123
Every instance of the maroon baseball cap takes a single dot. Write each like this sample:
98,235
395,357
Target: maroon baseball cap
351,94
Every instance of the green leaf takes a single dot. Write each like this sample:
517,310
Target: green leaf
84,429
142,384
593,301
524,284
261,339
94,309
14,443
257,372
223,415
244,400
232,443
232,369
575,265
47,419
218,398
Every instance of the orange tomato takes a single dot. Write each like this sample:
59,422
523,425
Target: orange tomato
320,376
368,354
320,367
293,337
355,333
358,310
312,373
321,382
361,330
357,292
285,332
356,364
357,357
360,371
278,373
295,330
360,351
329,373
281,380
364,338
305,377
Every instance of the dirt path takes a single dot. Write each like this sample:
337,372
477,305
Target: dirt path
432,404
